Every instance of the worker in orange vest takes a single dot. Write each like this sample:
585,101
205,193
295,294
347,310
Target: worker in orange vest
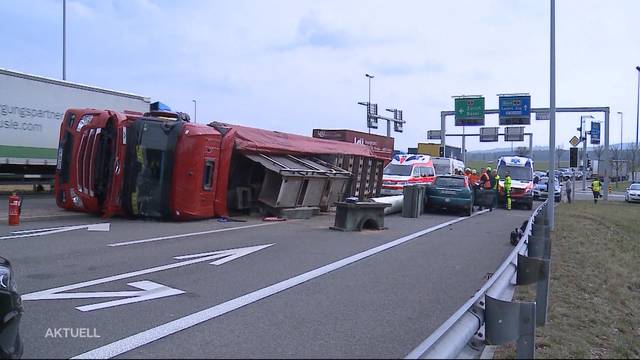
474,178
485,182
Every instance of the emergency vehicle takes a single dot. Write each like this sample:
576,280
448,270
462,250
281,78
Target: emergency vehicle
521,171
407,169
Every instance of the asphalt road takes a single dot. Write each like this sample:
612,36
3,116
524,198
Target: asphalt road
381,295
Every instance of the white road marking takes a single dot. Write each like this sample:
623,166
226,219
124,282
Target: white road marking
140,339
49,231
189,234
151,290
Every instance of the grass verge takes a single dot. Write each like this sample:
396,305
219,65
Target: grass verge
594,300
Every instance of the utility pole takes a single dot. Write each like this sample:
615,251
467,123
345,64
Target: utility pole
369,104
552,116
635,150
621,124
64,39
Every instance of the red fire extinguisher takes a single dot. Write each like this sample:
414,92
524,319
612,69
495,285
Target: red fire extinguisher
14,209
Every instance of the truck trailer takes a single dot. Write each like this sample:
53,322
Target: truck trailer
160,165
381,145
31,109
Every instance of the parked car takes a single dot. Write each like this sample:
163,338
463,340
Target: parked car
633,193
537,175
450,192
559,174
541,190
10,313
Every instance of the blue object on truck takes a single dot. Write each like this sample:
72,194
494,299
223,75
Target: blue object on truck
158,106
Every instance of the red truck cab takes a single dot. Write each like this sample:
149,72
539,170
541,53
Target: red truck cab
91,152
116,164
156,184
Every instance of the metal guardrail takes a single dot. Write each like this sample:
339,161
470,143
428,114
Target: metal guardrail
490,317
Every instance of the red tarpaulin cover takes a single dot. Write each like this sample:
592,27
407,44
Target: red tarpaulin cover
254,140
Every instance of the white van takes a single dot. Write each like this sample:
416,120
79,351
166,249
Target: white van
447,166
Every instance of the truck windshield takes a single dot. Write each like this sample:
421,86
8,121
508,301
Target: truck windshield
521,173
149,167
398,170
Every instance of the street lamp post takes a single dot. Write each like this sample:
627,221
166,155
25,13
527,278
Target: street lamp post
638,107
369,77
64,39
195,114
552,112
621,123
635,149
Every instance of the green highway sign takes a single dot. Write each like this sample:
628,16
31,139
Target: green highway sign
469,111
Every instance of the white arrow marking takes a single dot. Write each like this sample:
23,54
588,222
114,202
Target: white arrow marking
227,255
151,290
49,231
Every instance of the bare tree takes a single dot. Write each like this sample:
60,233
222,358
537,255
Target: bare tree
633,156
615,162
598,151
522,151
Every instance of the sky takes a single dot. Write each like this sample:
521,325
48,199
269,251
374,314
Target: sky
295,65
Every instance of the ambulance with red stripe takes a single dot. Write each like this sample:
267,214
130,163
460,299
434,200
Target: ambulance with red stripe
521,171
407,169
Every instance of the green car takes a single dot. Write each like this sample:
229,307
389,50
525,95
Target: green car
450,192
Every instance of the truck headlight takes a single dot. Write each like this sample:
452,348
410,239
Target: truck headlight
77,202
83,121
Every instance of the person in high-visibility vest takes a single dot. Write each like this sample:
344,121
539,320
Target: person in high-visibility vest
507,189
496,183
485,183
474,178
595,188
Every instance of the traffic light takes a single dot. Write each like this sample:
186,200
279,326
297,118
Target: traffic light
441,154
588,163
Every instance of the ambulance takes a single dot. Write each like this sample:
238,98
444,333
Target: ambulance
521,171
407,169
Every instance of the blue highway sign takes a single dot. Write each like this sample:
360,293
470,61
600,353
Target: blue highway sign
515,110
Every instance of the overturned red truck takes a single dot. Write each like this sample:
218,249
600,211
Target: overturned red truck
160,165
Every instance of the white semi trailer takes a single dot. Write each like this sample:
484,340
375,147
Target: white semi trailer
31,109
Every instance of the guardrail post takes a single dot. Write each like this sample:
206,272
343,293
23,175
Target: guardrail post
507,321
534,270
